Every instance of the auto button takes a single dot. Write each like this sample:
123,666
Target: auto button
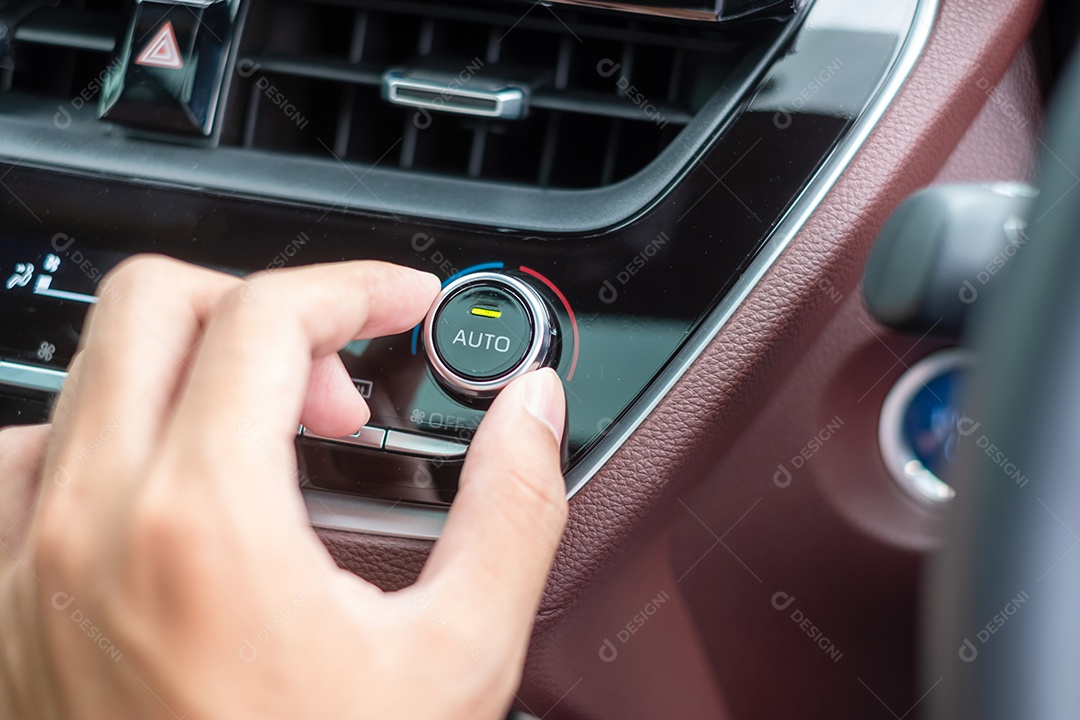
486,329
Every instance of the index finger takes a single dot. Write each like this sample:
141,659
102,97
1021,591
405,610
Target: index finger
251,373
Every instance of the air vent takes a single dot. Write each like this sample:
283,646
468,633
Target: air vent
60,49
567,118
612,91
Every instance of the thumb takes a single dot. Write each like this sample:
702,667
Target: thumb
490,565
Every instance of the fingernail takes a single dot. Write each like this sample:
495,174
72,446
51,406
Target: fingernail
544,400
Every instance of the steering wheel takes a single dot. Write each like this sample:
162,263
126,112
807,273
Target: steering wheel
1003,631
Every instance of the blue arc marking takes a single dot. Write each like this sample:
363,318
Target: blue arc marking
447,281
472,269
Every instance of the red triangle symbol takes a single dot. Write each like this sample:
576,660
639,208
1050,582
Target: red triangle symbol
163,51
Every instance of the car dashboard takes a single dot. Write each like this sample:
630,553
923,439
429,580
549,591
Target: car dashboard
669,203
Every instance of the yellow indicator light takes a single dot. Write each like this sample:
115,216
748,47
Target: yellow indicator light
486,312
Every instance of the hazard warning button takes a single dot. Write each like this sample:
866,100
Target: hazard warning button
169,73
162,51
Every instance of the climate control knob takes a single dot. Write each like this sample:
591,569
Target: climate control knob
484,330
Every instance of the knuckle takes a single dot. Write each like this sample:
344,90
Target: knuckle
256,294
163,532
167,526
157,525
138,276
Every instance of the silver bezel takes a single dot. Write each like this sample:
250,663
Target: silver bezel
539,345
904,467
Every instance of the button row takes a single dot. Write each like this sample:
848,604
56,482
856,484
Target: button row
398,441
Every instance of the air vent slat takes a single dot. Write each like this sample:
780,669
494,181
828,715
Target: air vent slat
427,37
675,75
476,153
58,49
607,172
341,71
343,131
627,68
344,122
251,117
359,36
589,103
494,46
562,65
547,152
74,29
614,107
408,140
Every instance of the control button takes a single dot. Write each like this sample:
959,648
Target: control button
407,442
367,436
486,329
170,67
483,331
31,377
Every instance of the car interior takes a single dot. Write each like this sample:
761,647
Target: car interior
803,267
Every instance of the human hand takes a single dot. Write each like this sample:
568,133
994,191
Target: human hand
169,569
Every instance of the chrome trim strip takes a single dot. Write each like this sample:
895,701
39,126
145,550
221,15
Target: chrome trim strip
332,511
30,377
908,472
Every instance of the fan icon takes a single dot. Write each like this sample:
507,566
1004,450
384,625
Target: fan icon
417,416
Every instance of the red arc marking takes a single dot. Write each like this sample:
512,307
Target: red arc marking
569,312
